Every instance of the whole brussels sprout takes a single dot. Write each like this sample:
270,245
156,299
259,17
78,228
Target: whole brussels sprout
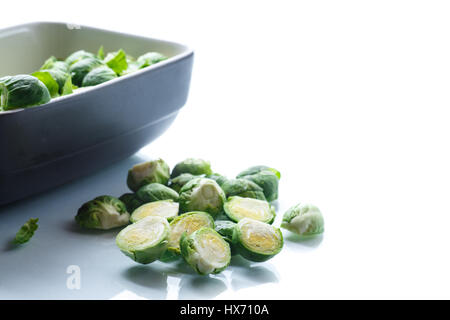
156,192
81,68
237,208
202,194
22,91
192,166
243,188
77,56
104,212
267,180
131,201
178,182
150,58
304,220
156,171
53,63
258,169
225,228
217,178
257,241
98,75
205,251
146,240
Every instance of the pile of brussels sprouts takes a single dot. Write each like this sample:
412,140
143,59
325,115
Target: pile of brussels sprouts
61,77
201,216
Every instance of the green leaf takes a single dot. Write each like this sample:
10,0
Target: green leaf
117,61
26,231
49,82
101,53
49,63
68,87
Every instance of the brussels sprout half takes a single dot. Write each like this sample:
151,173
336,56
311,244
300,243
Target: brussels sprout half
146,240
256,240
192,166
238,208
155,192
131,201
178,182
202,194
205,251
243,188
187,223
148,172
22,91
267,180
98,75
164,208
104,212
304,220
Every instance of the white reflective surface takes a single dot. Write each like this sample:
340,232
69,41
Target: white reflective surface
348,99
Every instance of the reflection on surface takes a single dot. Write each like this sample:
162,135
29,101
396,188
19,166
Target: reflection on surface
294,240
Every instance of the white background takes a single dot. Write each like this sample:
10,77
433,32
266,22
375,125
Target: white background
348,99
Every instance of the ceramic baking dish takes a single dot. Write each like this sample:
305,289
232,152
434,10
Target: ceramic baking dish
45,146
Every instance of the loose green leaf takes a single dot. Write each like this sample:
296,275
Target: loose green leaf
117,61
26,231
68,87
101,53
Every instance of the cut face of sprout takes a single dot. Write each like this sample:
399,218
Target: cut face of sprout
165,208
256,240
145,240
187,223
206,251
238,208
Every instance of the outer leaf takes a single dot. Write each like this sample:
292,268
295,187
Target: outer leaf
50,83
68,87
101,53
117,61
27,231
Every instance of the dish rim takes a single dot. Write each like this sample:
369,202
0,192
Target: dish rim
187,52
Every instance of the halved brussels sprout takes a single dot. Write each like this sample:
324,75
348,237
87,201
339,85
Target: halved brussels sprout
205,251
77,56
192,166
258,169
104,212
305,220
146,240
187,223
164,208
178,182
217,178
81,68
267,180
243,188
155,192
148,172
238,208
256,240
202,194
131,201
22,91
98,75
225,228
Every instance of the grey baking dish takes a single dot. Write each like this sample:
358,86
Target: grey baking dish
45,146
